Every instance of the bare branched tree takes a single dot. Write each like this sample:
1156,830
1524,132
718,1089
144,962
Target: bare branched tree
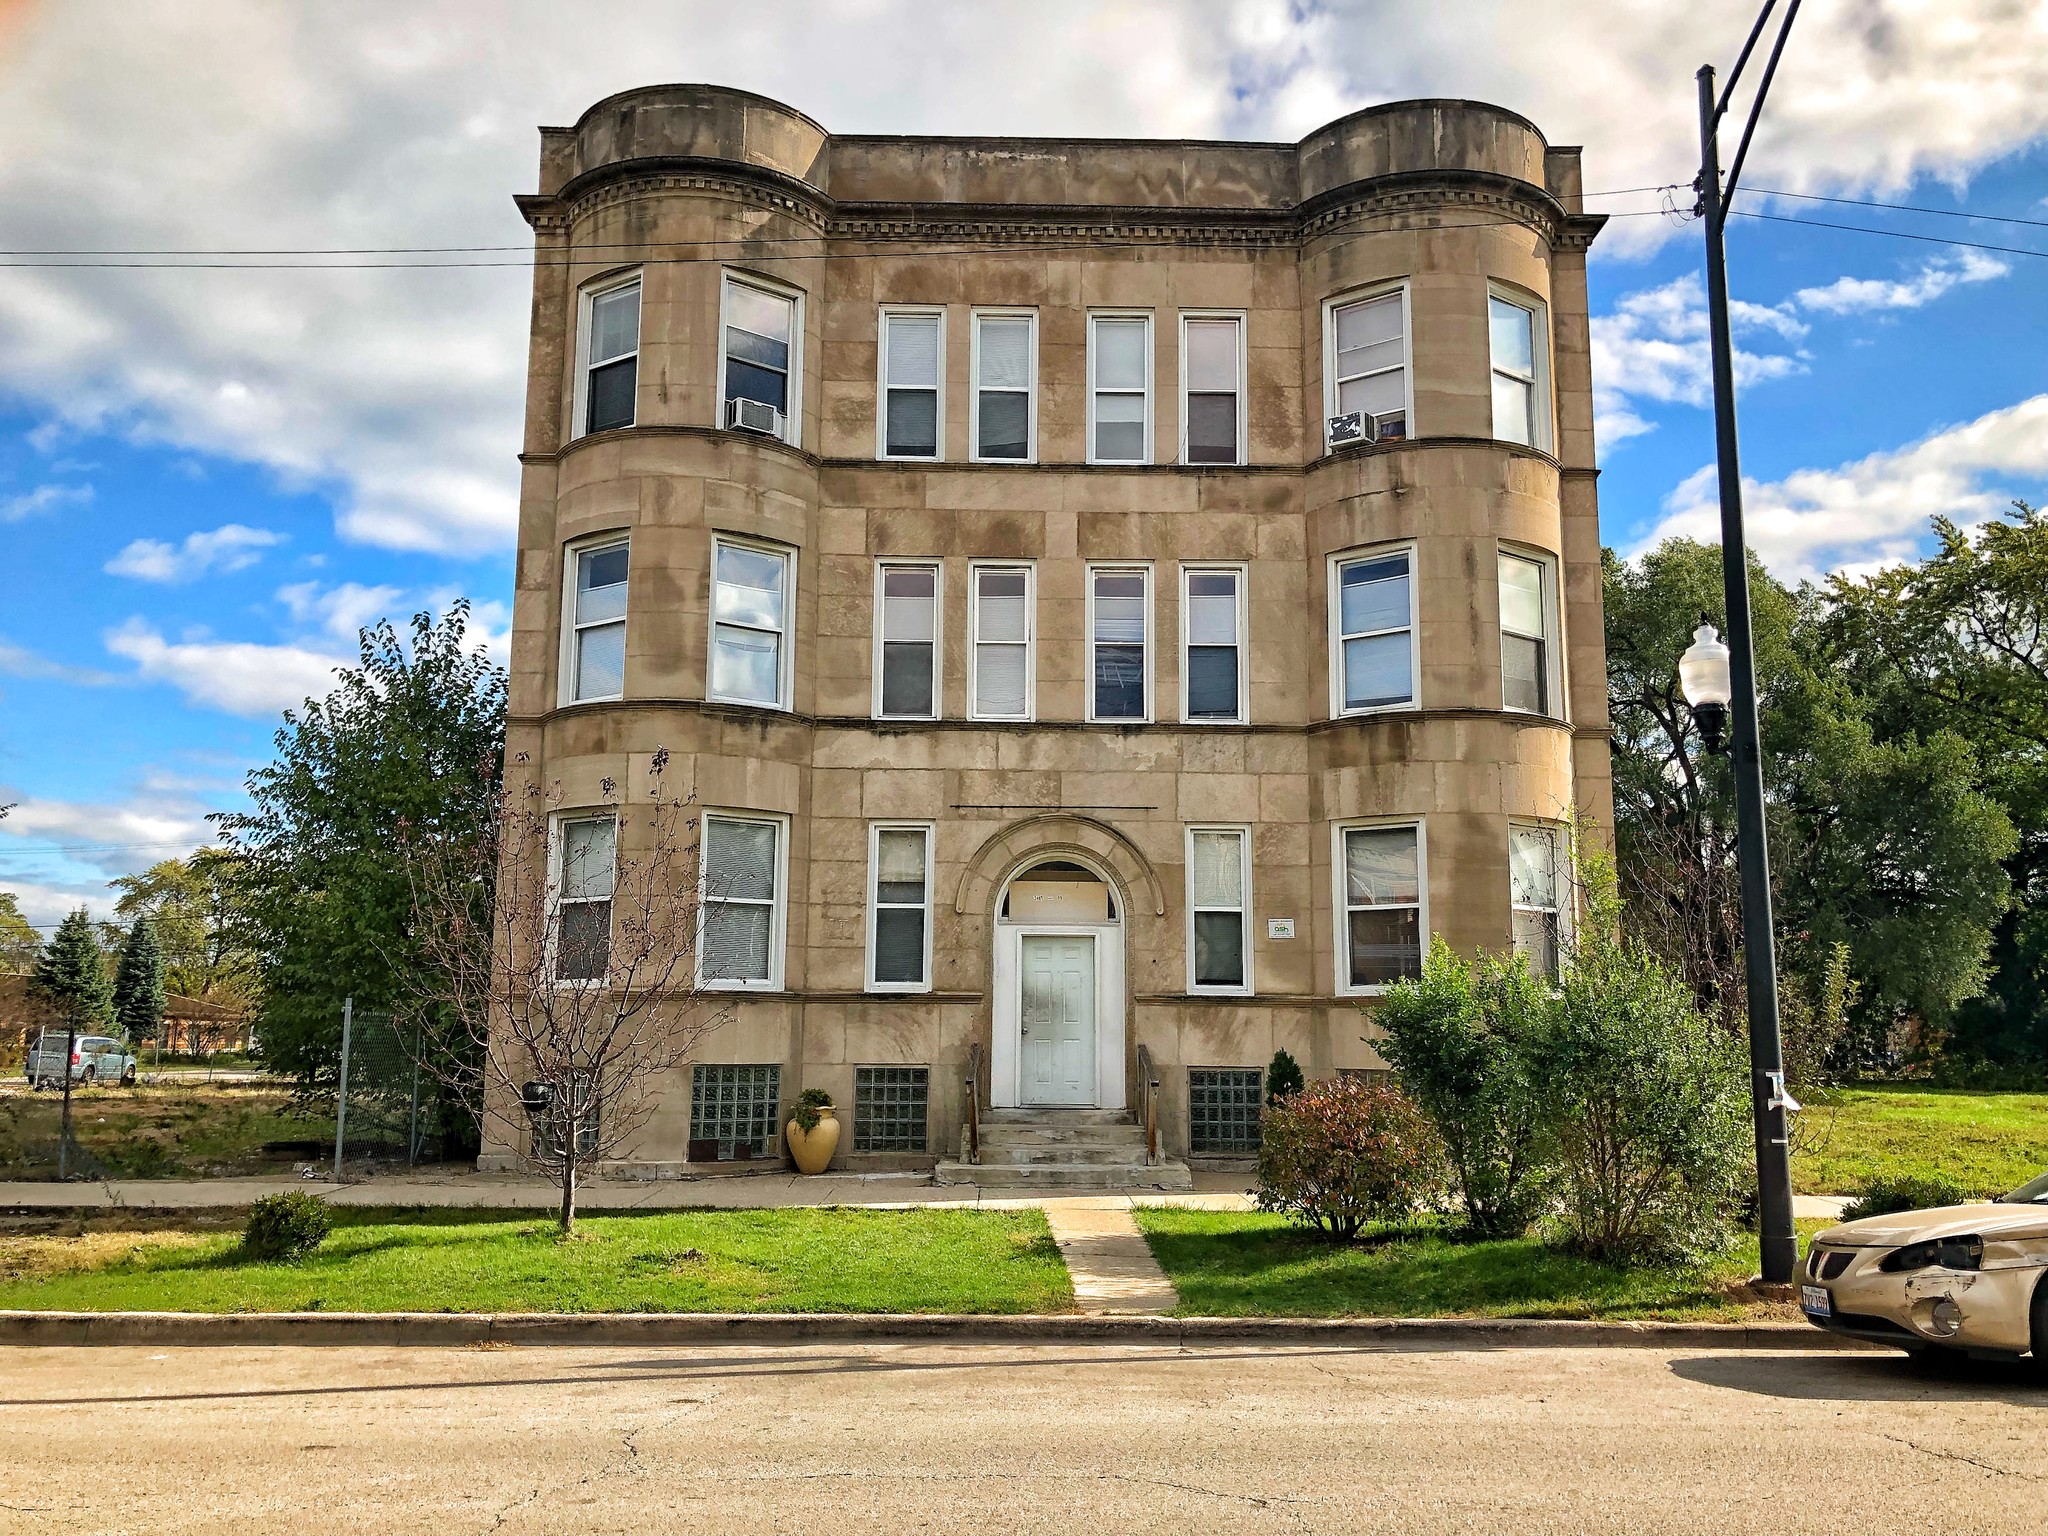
558,979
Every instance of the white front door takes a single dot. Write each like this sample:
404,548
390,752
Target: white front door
1058,1018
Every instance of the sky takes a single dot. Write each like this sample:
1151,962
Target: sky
210,478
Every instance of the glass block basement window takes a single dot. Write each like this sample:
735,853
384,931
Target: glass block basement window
891,1108
1223,1109
733,1112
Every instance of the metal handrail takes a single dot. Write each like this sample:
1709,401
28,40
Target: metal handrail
973,1087
1148,1104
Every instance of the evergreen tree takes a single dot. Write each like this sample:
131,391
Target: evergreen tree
72,973
139,983
1283,1078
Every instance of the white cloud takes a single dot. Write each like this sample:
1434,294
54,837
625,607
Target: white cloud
342,611
239,677
1875,509
46,903
230,547
168,827
386,123
1654,347
19,661
1851,295
44,498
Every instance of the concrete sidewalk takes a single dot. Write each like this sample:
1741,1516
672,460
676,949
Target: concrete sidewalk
488,1191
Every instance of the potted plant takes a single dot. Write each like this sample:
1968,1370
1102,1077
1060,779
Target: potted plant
813,1131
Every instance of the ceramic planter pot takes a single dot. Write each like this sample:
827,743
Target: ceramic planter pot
812,1150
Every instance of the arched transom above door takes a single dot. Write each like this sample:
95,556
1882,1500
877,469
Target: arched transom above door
1050,838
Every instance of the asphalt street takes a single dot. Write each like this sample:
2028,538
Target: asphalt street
896,1438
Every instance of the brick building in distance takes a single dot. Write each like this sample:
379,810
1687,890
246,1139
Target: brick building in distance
1112,600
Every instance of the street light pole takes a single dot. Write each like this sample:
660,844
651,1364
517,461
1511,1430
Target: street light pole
1778,1240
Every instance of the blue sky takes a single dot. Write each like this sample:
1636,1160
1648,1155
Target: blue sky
209,479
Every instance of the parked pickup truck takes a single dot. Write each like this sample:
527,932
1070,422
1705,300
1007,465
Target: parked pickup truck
94,1059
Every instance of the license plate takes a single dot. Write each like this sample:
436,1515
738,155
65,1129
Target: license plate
1816,1301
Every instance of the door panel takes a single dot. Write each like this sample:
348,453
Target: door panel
1058,1015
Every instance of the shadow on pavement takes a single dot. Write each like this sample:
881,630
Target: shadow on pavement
1871,1378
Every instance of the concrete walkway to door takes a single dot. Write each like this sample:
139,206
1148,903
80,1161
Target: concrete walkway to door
1107,1257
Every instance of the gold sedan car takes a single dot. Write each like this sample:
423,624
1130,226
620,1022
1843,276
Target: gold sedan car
1971,1278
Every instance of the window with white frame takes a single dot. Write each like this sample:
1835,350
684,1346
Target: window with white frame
913,352
740,901
1380,893
749,624
907,640
596,661
1534,869
1366,361
1525,648
1373,599
1515,337
1212,665
1119,624
757,357
1119,389
611,356
999,682
899,909
588,848
1005,379
1219,909
1212,388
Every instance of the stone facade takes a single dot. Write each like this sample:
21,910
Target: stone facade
1446,203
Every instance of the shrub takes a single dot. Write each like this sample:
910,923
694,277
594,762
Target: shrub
810,1105
1470,1040
1652,1109
1885,1196
1342,1153
285,1228
1283,1078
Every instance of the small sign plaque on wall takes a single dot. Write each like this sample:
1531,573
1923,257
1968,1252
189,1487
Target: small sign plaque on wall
1279,927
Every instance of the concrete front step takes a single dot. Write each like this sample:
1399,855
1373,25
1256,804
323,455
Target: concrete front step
1056,1117
1169,1175
993,1156
1062,1136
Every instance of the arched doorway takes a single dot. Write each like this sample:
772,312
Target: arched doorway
1057,1024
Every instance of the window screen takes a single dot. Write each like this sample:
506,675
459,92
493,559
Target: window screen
1117,643
1002,386
741,866
613,359
1373,619
891,1108
909,641
1217,906
748,616
1213,664
1120,356
598,623
733,1112
902,910
1524,645
911,386
1002,643
1223,1108
1382,888
1211,408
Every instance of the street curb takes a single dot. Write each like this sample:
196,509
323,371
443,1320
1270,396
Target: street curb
454,1330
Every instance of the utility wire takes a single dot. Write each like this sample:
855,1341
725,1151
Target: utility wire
1889,234
1864,202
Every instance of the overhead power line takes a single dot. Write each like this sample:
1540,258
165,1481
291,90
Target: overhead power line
1865,202
1890,234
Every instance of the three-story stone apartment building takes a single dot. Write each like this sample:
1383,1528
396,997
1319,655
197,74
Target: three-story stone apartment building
1112,601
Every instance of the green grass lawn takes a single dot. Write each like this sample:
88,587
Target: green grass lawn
1991,1141
813,1260
1248,1264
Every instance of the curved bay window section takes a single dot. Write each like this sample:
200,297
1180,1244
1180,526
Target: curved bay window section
750,606
595,666
611,357
757,359
1380,899
1365,358
1373,637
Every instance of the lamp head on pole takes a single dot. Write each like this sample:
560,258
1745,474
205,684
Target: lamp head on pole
1703,676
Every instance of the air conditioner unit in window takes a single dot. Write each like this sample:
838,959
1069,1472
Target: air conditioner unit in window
1390,427
1348,428
753,416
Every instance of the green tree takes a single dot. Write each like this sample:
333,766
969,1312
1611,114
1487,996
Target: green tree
139,983
72,973
191,903
1959,642
19,945
1881,838
409,743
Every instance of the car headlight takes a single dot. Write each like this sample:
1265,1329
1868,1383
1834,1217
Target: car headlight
1943,1253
